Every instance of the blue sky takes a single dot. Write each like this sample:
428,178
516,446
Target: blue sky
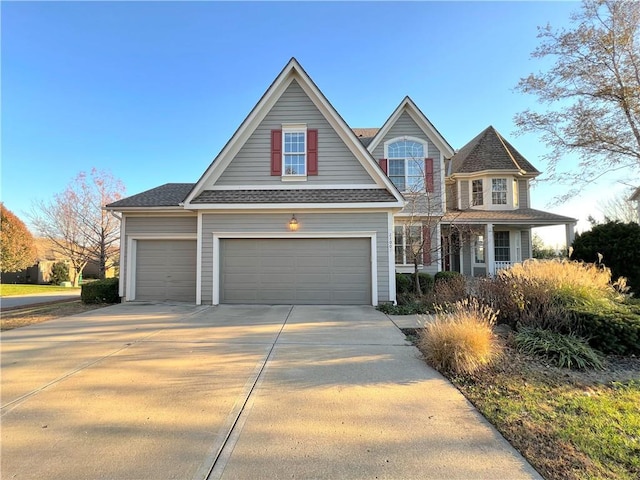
153,91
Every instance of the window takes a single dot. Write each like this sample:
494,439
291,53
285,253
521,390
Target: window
408,240
479,248
515,193
476,193
499,191
294,152
406,165
501,246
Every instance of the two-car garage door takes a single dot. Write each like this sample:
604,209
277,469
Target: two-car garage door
295,271
260,270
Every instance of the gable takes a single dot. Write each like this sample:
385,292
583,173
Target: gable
337,165
406,126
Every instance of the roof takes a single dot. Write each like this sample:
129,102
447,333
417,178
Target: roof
407,105
293,71
489,151
357,195
365,135
167,195
522,215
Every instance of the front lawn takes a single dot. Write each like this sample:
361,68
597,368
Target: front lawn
10,289
569,425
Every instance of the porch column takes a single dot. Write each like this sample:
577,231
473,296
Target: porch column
570,234
489,250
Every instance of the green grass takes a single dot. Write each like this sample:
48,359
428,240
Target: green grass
8,290
567,430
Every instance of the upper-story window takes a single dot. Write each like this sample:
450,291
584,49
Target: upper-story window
294,151
477,195
406,165
499,191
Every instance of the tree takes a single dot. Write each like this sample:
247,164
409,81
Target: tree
76,223
619,208
619,246
17,247
540,250
592,92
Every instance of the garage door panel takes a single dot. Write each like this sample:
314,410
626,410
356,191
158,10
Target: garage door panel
166,270
296,271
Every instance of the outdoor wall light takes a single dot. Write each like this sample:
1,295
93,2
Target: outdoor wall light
293,223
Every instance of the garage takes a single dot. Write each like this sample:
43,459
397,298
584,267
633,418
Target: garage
166,270
322,271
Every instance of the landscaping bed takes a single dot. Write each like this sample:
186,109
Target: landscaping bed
569,424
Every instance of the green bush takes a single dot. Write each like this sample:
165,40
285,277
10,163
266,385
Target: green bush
615,330
446,276
403,283
619,245
565,351
59,273
101,291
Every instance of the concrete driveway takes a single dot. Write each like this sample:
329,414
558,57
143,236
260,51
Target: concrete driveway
141,391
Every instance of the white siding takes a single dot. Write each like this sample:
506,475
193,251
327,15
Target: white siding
309,223
336,163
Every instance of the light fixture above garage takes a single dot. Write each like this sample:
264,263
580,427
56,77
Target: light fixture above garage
293,223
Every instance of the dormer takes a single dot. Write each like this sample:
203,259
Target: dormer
488,173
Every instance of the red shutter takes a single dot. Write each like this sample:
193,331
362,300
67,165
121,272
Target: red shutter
276,152
383,165
426,245
428,174
312,152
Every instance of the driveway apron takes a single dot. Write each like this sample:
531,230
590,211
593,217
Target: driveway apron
173,391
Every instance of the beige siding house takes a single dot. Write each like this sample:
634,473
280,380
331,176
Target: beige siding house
298,208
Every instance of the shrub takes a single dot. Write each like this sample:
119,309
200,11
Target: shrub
446,275
449,289
101,291
619,245
59,273
411,308
565,351
461,339
615,331
405,282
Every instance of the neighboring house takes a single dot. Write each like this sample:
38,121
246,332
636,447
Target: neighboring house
298,208
46,256
635,197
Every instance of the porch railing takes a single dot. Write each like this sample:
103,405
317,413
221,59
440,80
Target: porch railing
502,265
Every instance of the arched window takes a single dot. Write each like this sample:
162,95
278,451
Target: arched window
406,164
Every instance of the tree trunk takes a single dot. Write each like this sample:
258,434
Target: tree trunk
416,278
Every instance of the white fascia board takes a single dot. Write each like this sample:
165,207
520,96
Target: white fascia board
492,173
297,206
421,120
149,210
292,71
300,186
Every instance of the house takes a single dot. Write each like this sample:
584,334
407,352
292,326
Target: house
298,208
635,197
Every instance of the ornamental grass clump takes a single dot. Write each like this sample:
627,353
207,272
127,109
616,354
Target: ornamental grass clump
565,351
460,340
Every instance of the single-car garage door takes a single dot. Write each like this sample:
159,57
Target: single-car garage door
296,271
166,270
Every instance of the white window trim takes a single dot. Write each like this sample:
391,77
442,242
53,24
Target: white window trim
484,193
404,244
425,147
484,250
487,194
294,128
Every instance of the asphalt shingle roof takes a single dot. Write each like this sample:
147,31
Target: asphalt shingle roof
365,135
519,215
366,195
167,195
489,151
